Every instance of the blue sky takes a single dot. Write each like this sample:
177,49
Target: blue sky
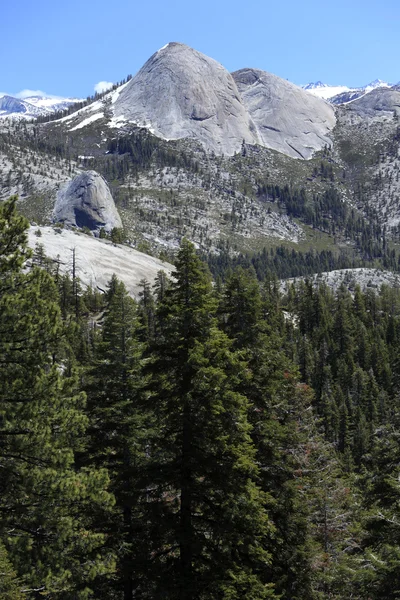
66,48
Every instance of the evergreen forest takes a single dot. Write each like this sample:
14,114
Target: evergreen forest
211,440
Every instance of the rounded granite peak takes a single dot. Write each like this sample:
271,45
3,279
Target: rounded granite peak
176,45
182,93
86,201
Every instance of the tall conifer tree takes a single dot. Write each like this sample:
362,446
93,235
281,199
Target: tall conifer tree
118,433
271,389
215,526
44,499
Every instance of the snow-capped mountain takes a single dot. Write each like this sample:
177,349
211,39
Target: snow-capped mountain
377,83
324,90
340,94
314,86
33,106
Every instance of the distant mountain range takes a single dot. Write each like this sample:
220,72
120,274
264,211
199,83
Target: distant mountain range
340,94
33,106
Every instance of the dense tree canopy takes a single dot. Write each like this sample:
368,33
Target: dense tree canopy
205,442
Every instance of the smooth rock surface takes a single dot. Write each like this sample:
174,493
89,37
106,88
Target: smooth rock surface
87,202
287,118
181,93
96,260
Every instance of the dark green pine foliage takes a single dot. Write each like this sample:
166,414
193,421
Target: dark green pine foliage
44,499
380,574
146,312
270,386
118,435
346,349
211,529
10,587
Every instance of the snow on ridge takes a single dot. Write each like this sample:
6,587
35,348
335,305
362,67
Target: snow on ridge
51,104
95,106
327,91
163,47
114,94
31,107
315,85
377,83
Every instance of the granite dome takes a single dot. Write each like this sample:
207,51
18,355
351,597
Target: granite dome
87,202
181,93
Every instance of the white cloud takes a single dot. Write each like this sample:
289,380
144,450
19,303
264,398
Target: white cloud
29,93
103,86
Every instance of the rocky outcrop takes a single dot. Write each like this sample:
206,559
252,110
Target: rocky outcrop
381,100
181,93
87,202
287,118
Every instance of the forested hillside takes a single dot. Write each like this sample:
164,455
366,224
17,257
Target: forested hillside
205,442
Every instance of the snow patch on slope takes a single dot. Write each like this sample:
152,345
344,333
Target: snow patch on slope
87,121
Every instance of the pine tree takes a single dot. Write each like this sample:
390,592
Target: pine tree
206,503
271,389
44,499
380,573
146,311
10,587
117,431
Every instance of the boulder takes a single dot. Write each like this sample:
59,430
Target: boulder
87,202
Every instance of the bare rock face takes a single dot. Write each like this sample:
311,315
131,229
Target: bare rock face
287,118
87,202
181,93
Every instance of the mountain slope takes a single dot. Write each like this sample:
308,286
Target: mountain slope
378,101
342,199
